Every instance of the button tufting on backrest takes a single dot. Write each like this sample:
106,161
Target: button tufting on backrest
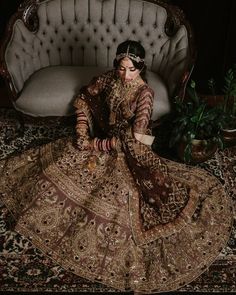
82,32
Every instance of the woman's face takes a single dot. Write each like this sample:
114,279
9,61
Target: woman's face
127,70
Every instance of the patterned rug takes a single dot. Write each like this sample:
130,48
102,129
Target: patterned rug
23,268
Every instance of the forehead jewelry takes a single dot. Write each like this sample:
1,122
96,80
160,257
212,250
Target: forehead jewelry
129,55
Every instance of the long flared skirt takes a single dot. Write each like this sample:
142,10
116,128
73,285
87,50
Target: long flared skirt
76,207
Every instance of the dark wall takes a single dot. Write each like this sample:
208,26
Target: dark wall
7,8
214,25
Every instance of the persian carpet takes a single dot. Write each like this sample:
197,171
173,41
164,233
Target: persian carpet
23,268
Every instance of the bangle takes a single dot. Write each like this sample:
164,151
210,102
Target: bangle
108,144
103,144
99,144
95,147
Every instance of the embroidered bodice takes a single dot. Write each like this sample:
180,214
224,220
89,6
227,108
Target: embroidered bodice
122,102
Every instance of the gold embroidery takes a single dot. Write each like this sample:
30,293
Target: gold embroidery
84,210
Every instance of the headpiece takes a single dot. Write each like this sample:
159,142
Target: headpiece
129,55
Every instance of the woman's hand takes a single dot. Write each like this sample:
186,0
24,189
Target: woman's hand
84,143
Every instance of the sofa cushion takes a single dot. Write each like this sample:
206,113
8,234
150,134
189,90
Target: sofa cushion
161,103
51,91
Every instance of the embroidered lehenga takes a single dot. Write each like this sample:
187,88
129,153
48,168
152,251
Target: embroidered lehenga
118,213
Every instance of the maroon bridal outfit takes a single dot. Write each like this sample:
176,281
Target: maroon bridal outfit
124,216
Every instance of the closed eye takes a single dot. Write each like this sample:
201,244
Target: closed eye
132,69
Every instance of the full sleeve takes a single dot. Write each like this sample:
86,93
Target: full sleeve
141,125
84,123
83,114
94,88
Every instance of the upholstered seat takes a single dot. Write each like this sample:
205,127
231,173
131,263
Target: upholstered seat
62,82
56,46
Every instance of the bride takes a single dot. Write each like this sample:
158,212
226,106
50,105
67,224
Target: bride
104,206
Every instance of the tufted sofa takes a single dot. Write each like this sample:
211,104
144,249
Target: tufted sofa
53,47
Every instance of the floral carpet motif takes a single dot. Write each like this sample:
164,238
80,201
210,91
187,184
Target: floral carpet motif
24,268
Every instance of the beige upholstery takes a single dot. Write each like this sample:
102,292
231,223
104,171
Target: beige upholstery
77,39
62,82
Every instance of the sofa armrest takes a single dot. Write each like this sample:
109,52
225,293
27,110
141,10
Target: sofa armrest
19,66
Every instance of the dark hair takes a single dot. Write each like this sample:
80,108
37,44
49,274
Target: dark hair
135,48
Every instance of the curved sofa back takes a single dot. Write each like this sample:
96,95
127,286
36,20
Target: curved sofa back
87,32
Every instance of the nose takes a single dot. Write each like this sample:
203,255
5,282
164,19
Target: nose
127,75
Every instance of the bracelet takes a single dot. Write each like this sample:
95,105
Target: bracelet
105,145
95,144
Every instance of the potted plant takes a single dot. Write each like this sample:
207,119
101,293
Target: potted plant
196,127
227,103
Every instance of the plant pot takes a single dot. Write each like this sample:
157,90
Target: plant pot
201,150
212,100
229,136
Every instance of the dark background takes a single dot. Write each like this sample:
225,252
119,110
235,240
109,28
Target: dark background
214,26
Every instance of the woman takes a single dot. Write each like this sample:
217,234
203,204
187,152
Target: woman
107,208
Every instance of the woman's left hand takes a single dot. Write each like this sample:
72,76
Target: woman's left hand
84,143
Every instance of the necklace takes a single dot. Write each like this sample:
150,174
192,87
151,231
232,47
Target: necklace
121,96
